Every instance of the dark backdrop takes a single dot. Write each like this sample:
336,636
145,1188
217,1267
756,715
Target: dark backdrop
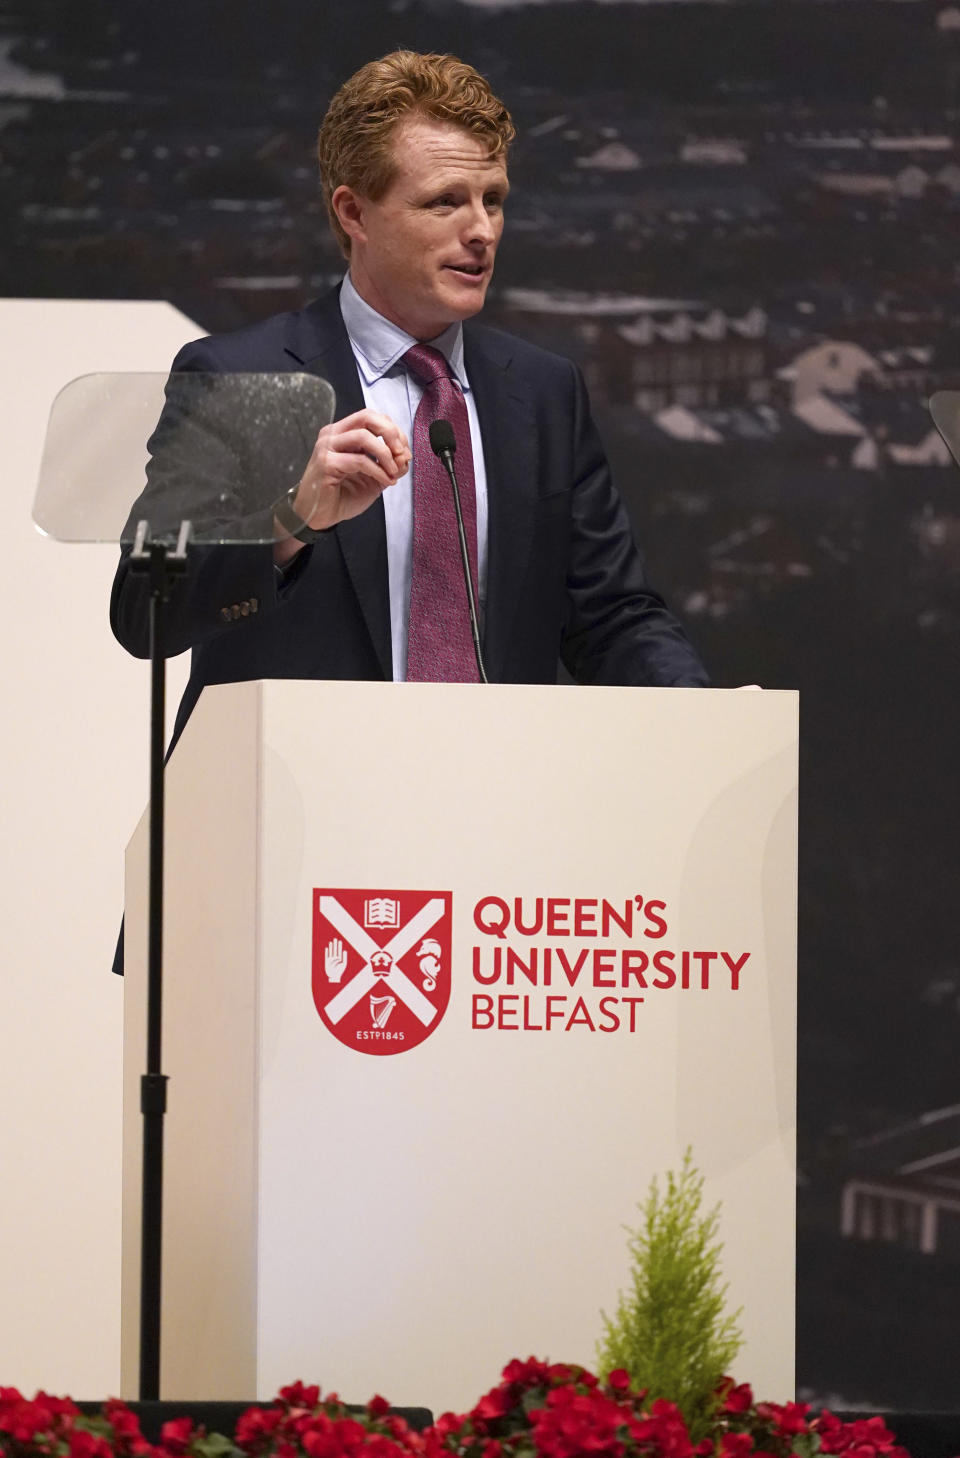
741,218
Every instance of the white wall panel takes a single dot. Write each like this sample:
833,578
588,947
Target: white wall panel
73,760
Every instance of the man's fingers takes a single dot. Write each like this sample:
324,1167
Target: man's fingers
348,466
380,426
364,442
389,432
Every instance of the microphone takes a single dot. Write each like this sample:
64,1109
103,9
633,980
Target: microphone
443,443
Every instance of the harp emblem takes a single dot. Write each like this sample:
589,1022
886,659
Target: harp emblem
380,1010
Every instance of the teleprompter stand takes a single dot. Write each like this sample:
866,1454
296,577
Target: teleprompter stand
164,465
161,565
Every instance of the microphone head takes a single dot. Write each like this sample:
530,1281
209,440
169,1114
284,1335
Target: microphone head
442,438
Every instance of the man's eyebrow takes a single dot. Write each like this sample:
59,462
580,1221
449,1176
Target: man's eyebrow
451,184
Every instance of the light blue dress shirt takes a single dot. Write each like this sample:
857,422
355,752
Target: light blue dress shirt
378,347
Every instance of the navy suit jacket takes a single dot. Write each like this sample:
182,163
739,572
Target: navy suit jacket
564,577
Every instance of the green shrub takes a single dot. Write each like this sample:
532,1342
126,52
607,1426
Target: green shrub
669,1330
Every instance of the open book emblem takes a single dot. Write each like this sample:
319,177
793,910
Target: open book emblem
381,911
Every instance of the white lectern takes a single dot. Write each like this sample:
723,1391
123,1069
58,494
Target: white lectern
451,972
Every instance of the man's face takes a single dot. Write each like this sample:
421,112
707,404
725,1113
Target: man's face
423,254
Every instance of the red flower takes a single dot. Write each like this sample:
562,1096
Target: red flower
619,1380
25,1421
297,1395
378,1407
378,1446
447,1426
734,1398
735,1445
125,1424
177,1435
494,1405
665,1431
580,1425
788,1418
87,1445
256,1428
864,1436
530,1373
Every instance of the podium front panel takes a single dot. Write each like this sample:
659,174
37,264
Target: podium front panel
516,950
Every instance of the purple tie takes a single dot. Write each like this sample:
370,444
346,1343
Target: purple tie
439,640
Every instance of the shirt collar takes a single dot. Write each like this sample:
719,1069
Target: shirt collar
379,345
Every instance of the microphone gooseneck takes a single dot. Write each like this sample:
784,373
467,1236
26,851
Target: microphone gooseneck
443,443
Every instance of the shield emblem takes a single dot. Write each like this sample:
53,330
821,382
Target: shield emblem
381,965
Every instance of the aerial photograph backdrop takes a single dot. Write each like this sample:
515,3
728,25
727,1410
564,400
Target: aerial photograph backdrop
741,219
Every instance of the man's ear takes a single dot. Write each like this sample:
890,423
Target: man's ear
348,206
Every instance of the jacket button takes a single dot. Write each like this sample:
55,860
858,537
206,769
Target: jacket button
235,610
254,604
225,615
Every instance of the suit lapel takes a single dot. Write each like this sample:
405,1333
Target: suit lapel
317,341
510,454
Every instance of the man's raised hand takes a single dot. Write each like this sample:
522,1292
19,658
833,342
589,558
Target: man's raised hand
353,461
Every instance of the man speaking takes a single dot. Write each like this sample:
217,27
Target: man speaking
413,160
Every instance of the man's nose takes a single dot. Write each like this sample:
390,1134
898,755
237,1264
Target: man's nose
480,225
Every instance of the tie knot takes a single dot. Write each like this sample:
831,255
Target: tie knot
426,363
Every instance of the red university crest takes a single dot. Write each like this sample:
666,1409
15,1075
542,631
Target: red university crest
381,965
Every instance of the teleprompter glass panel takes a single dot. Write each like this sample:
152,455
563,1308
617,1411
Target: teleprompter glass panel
223,452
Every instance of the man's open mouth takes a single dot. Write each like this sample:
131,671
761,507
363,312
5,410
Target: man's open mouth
472,270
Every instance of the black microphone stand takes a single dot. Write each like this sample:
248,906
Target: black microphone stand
163,564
